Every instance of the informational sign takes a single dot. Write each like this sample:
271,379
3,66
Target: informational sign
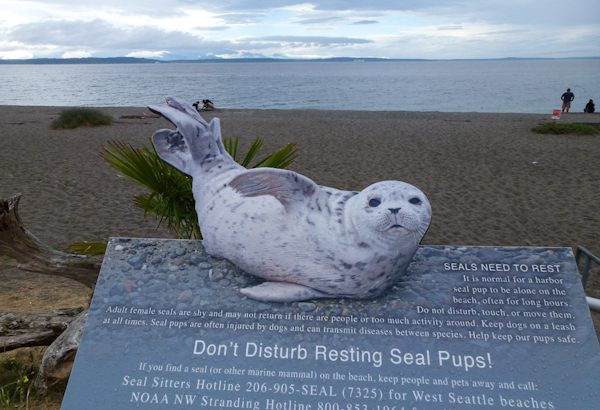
556,114
466,328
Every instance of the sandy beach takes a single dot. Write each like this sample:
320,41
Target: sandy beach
489,179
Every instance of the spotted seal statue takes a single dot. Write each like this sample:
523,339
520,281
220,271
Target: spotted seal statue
306,240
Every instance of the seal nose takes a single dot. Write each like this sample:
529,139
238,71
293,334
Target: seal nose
394,210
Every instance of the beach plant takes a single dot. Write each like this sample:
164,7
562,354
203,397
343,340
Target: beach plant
16,380
80,117
170,199
557,129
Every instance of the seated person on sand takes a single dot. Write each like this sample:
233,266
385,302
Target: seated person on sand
195,105
208,105
589,107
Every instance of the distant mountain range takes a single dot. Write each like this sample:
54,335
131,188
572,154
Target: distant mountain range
135,60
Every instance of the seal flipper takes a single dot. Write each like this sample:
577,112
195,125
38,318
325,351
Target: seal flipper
196,146
282,292
286,186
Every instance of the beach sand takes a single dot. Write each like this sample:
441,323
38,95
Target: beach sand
489,179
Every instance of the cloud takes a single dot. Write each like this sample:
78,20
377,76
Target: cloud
216,28
100,35
313,40
241,18
364,22
550,12
76,54
450,28
16,55
439,28
147,54
318,20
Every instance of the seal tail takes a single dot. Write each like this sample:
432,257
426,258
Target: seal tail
196,145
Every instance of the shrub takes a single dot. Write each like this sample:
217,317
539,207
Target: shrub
16,379
80,117
554,128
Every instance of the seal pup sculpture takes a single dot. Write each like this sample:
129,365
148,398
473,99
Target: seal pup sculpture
307,241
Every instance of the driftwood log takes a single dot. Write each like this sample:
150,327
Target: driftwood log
26,329
35,256
61,329
58,359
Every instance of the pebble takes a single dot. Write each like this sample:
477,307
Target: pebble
118,248
178,262
224,282
204,265
116,290
180,252
306,306
195,260
185,295
214,275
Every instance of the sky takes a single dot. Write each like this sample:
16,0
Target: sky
192,29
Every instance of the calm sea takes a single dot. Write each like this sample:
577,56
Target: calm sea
466,86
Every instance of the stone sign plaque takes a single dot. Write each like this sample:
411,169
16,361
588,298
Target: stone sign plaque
466,328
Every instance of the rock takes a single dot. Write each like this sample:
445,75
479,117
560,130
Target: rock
185,295
215,275
306,306
195,260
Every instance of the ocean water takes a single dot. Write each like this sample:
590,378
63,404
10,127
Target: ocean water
526,86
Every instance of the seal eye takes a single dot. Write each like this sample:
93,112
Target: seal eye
415,201
374,202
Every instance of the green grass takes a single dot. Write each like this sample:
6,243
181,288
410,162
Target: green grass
16,379
554,128
80,117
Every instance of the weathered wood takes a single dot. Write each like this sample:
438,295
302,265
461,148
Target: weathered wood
58,359
33,255
26,329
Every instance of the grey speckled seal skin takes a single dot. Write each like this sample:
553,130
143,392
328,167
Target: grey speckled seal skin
306,240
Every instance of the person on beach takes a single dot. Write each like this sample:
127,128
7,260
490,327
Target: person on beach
589,107
208,105
566,99
195,105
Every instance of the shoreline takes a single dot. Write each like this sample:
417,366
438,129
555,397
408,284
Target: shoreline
291,110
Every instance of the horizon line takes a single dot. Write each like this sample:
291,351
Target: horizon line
125,59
